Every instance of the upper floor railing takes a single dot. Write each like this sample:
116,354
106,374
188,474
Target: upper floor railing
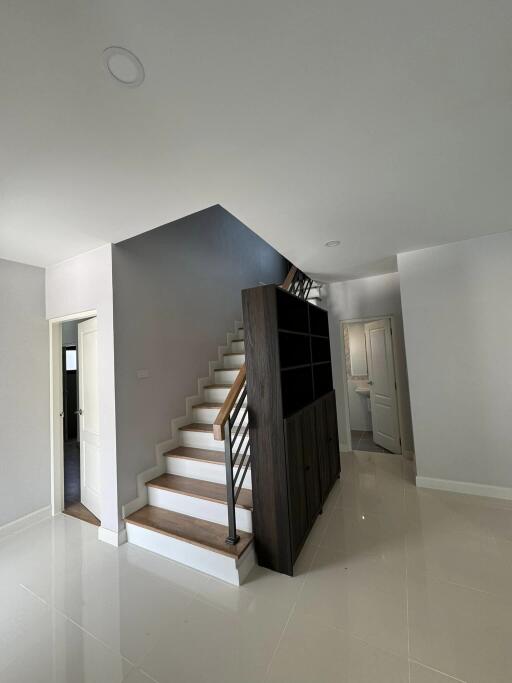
232,425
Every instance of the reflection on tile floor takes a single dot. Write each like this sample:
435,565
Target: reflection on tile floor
395,585
363,441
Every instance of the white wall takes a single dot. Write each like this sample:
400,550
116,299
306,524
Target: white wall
80,284
458,330
370,297
24,392
177,292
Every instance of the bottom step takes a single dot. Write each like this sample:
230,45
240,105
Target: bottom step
195,542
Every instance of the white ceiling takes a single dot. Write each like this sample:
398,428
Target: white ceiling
386,124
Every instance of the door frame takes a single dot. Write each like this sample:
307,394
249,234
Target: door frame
57,407
344,379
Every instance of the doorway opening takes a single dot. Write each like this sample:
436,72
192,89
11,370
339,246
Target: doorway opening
372,388
77,442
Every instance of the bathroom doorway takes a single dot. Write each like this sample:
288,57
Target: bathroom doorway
372,388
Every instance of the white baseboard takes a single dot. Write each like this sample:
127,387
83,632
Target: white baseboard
115,538
502,492
25,521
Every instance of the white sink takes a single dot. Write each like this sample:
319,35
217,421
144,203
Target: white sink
363,391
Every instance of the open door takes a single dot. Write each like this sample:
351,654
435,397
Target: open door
89,415
381,372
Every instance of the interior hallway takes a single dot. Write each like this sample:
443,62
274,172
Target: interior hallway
394,583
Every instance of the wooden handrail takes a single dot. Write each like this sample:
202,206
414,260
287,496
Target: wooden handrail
228,405
289,278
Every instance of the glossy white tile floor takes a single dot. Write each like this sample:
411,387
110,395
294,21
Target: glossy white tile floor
394,585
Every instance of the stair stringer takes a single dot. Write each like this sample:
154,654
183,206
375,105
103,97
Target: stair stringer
163,447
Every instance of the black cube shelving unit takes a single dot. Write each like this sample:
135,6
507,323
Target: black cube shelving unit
292,420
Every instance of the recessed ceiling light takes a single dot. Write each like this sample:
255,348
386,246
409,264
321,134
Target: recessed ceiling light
332,243
123,66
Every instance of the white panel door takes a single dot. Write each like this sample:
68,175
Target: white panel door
381,372
89,415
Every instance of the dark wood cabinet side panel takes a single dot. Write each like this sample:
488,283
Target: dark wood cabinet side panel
271,522
311,465
299,517
332,434
322,449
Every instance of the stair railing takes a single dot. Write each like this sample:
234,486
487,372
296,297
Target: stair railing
232,426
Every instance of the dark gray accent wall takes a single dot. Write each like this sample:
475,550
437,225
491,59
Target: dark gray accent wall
24,392
177,292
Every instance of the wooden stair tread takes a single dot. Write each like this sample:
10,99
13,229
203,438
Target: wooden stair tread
197,454
209,404
190,529
197,427
235,353
224,385
200,489
225,369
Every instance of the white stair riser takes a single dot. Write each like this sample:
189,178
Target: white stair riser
199,469
315,293
216,394
234,361
209,510
205,440
208,415
240,334
200,440
238,347
204,560
226,376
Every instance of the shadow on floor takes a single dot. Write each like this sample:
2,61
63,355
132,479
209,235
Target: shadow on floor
72,503
363,441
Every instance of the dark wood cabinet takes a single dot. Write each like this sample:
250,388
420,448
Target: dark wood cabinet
292,418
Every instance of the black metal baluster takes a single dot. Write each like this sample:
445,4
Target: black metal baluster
232,538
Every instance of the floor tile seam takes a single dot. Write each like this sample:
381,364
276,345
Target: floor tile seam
407,607
440,579
28,527
438,671
279,641
56,610
347,633
35,595
95,637
472,534
141,669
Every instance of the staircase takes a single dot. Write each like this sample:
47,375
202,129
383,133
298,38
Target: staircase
186,518
315,293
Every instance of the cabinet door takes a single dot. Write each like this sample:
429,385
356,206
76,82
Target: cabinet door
311,470
322,448
297,503
332,435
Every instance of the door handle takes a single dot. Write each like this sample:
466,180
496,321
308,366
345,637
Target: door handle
61,414
78,412
370,383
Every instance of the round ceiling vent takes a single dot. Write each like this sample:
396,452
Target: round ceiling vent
123,66
332,243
